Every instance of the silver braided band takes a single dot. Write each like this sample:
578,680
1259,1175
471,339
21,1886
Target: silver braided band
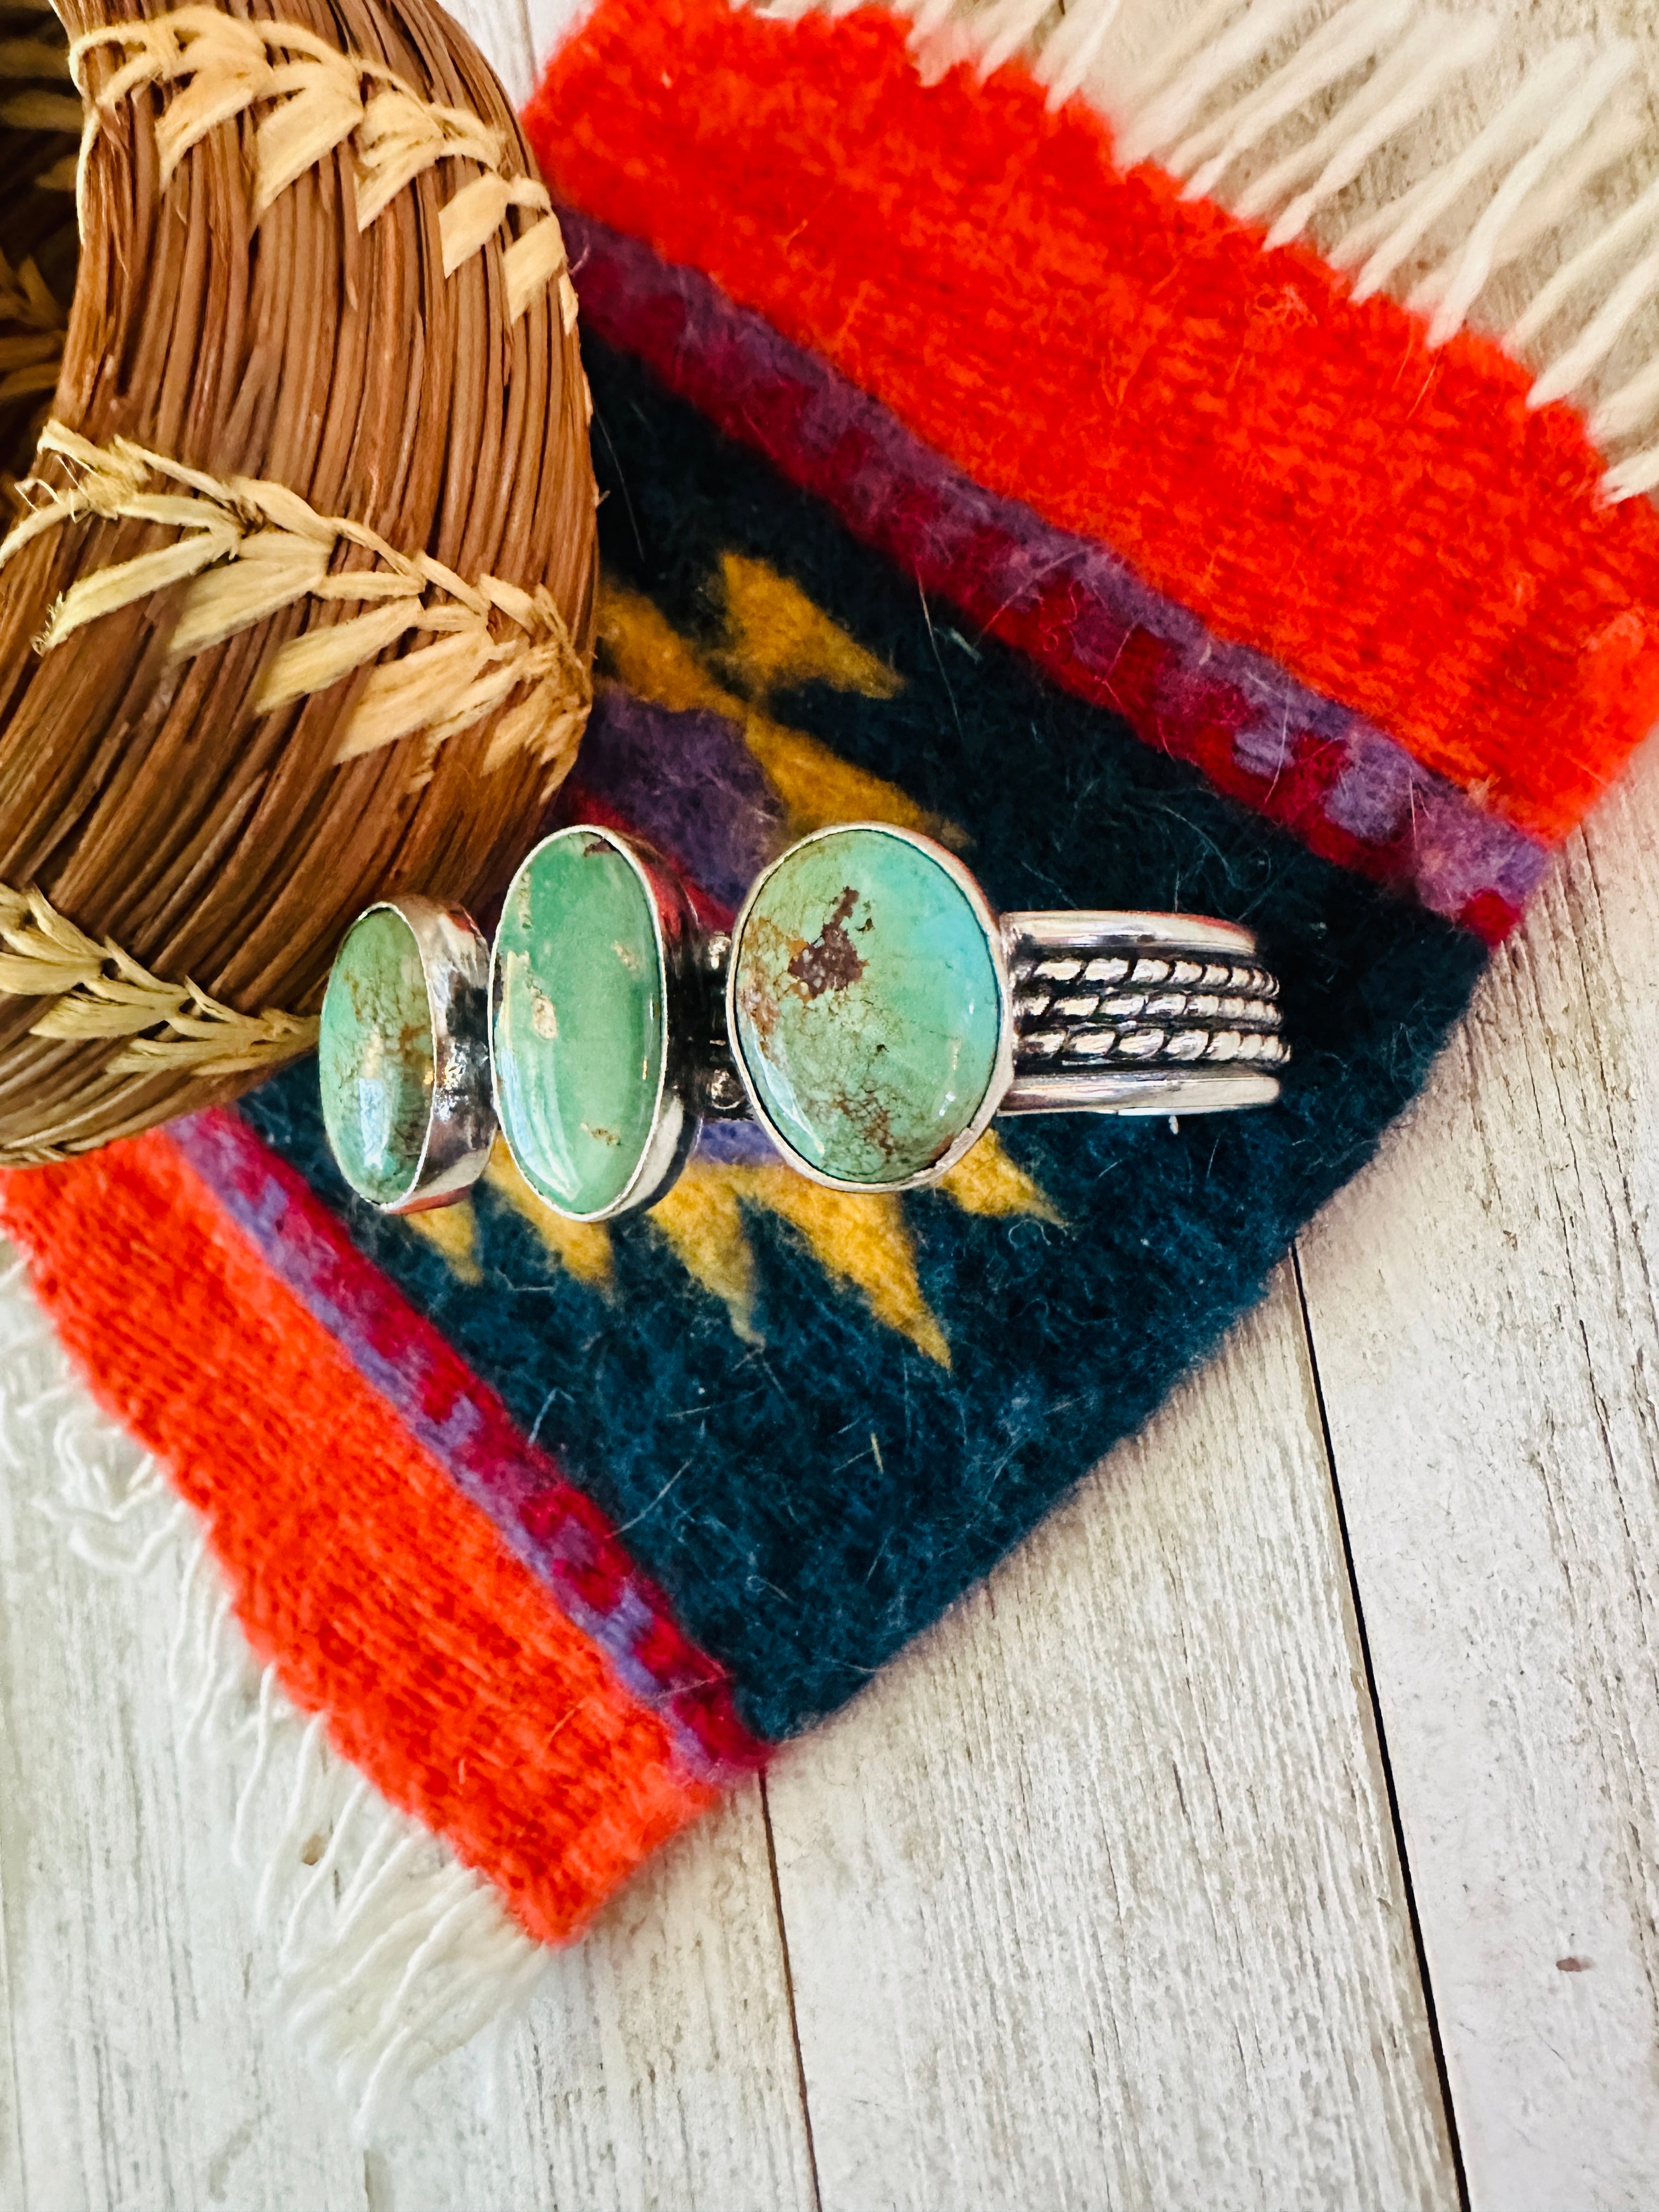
1138,1014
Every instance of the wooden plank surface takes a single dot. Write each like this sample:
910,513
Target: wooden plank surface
12,1754
1094,1899
143,2076
659,2067
1483,1309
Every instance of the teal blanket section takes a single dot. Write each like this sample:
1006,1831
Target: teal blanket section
817,1424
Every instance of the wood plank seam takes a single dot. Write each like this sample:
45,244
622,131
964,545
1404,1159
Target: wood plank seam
789,1993
1384,1761
1115,1831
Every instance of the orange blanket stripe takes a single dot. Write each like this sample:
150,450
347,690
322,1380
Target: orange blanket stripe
1391,524
383,1598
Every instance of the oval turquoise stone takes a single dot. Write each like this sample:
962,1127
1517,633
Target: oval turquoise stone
577,1027
375,1055
868,1014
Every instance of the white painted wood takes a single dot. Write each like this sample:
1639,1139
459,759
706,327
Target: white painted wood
552,21
142,2076
659,2071
500,31
1093,1900
1483,1316
11,2118
657,2065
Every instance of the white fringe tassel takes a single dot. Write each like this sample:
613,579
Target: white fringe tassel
1277,108
387,1953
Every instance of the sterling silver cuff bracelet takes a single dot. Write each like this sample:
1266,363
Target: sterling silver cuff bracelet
868,1010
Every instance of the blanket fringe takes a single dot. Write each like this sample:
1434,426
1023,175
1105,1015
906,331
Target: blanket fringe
387,1953
1521,200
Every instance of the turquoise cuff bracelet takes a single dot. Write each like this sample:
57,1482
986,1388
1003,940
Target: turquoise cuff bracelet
869,1011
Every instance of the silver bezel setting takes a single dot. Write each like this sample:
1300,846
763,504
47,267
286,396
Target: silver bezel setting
1002,1072
460,1127
676,1117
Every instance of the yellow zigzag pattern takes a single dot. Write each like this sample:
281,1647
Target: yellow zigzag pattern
861,1243
776,638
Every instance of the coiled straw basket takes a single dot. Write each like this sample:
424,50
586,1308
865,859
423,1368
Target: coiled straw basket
296,601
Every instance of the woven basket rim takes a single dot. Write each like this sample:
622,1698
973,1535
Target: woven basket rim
318,611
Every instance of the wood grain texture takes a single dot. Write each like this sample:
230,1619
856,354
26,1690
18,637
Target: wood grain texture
657,2065
142,2076
1093,1900
659,2069
1483,1310
500,31
11,2117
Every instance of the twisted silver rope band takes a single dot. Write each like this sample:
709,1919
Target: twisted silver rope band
1155,1013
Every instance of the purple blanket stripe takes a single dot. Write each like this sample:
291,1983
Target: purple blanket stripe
456,1418
1074,604
688,784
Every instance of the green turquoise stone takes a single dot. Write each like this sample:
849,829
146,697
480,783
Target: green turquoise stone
868,1013
374,1056
578,1022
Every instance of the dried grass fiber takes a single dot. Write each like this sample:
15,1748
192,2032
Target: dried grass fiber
297,605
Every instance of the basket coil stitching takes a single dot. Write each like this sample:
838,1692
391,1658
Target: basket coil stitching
33,324
47,956
226,65
254,547
263,548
